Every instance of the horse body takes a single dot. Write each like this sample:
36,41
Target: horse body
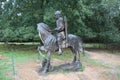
50,45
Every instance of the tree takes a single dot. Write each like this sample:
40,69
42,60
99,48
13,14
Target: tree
96,20
102,22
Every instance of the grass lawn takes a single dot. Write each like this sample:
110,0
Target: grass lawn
21,53
26,52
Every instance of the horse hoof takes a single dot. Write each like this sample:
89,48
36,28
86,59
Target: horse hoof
44,72
79,65
51,68
73,62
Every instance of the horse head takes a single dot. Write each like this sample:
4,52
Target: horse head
42,27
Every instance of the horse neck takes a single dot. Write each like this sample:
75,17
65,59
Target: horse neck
45,35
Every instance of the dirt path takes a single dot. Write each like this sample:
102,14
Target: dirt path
106,57
26,71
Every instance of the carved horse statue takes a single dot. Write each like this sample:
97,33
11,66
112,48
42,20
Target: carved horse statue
50,46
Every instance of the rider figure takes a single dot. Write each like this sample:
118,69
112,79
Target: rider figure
60,28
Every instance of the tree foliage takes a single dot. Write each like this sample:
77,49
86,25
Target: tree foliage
97,20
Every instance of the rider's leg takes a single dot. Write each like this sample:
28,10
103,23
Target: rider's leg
47,66
60,50
59,45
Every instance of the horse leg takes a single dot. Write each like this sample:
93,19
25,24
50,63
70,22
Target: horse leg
74,54
59,42
44,61
47,67
74,59
82,49
39,51
79,62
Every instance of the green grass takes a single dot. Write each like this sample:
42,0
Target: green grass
118,67
95,45
118,75
5,67
27,52
22,53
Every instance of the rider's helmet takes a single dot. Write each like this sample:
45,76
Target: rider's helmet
57,12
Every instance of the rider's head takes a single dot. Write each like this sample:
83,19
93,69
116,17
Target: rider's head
57,14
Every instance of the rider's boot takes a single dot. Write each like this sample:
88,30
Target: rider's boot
60,51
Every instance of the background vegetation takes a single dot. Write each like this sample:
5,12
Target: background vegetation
93,20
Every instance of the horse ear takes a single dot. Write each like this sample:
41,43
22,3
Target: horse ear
38,24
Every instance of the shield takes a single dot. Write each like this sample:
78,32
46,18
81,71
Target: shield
66,25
